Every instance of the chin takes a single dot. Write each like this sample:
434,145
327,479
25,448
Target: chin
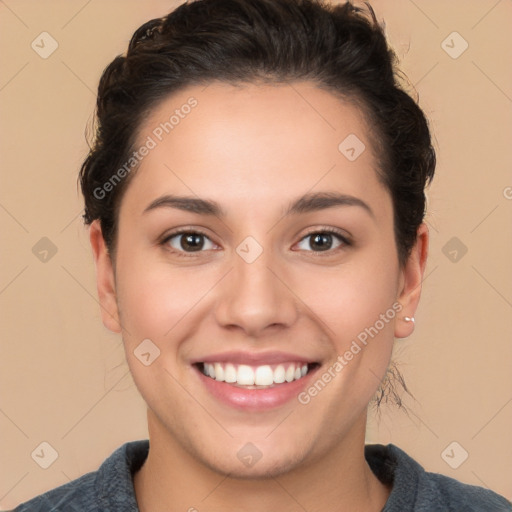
259,470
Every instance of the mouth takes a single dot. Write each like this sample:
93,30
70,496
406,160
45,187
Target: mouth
251,386
256,377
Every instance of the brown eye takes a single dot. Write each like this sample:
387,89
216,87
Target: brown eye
321,241
189,242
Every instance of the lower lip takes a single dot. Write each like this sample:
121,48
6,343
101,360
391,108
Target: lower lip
256,399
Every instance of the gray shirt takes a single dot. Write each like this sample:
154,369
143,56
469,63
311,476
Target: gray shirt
110,488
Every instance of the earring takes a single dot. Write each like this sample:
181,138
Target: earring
409,319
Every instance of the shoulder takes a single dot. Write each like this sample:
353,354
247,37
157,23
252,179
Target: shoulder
418,490
109,488
76,495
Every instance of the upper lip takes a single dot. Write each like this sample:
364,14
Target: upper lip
254,358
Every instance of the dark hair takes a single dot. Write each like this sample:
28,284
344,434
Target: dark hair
340,48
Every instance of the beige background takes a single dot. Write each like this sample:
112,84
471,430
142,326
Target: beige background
63,378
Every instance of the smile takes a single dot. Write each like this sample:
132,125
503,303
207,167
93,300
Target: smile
257,383
255,377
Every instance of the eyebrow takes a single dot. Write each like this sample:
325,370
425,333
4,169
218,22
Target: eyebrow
308,203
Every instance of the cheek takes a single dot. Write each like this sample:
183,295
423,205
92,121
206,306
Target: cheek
155,298
355,306
159,303
356,309
352,299
140,303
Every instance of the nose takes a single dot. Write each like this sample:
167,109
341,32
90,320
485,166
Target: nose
255,297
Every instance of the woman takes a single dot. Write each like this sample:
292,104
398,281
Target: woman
255,196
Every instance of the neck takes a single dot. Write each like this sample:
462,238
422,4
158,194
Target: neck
173,480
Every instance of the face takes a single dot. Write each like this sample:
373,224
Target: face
256,246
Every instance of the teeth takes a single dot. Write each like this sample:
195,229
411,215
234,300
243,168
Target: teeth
245,375
219,371
230,373
279,374
264,376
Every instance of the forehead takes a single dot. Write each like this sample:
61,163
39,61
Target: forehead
255,143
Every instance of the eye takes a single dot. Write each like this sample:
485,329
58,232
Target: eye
321,241
189,241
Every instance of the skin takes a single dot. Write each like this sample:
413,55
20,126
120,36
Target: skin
291,298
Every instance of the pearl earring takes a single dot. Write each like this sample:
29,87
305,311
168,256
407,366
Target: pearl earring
409,319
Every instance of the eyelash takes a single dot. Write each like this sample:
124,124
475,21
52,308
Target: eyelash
327,230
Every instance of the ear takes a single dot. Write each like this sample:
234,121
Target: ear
105,280
410,282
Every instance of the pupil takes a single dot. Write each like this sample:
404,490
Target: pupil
321,241
192,242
